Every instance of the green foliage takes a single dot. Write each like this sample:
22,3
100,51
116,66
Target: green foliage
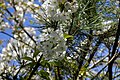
61,5
44,74
28,59
66,36
1,42
36,53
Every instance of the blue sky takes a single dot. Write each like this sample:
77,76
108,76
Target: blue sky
4,38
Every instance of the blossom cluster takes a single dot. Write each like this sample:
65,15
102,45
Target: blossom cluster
52,43
16,49
56,10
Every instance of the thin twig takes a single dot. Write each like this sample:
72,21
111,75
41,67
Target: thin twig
15,38
114,57
21,26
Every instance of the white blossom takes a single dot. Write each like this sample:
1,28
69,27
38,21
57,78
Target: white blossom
53,44
52,10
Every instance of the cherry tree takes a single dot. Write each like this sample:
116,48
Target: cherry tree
60,39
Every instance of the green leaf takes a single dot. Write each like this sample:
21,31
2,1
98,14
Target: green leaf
31,22
28,59
36,53
61,6
118,62
66,36
43,63
83,71
44,74
31,64
1,42
2,5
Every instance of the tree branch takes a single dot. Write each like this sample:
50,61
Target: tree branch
58,73
15,38
35,68
114,50
83,56
113,58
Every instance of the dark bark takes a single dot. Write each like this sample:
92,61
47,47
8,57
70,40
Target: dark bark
114,50
58,73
